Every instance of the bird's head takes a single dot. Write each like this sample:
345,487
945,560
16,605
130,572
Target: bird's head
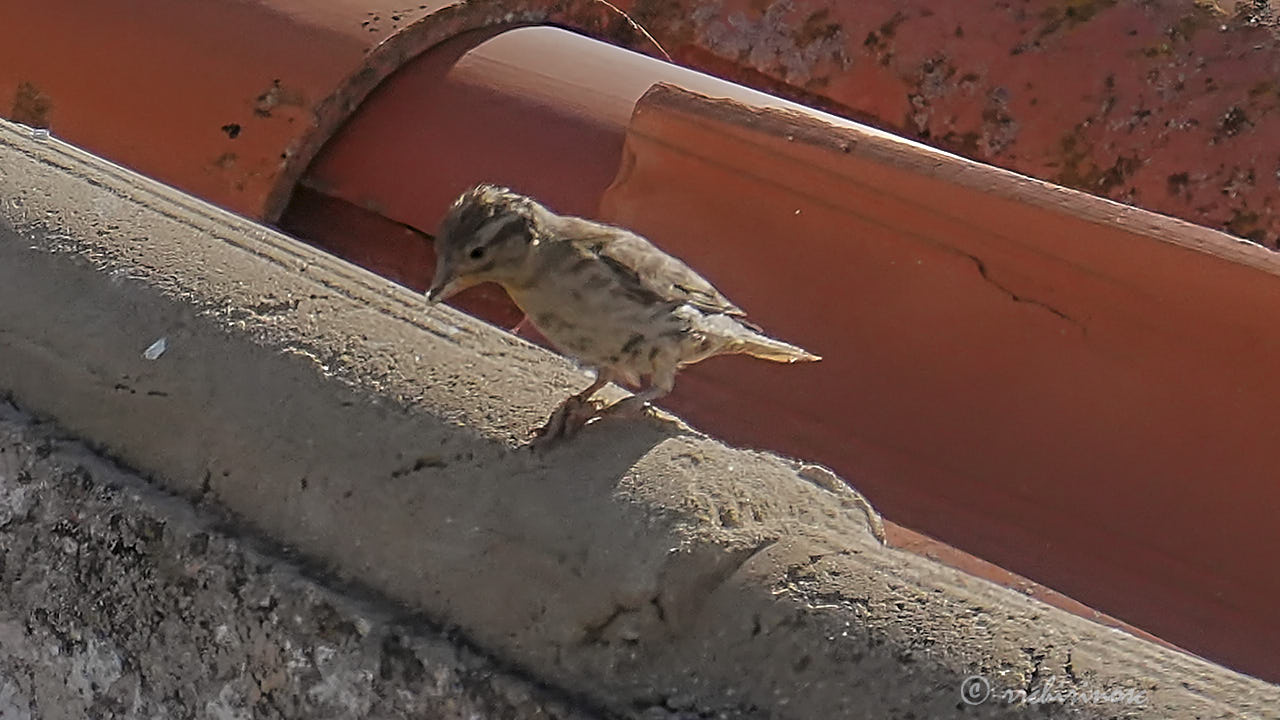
486,236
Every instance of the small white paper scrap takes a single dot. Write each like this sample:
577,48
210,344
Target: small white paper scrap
156,349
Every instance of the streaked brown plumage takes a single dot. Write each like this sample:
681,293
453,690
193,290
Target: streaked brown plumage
601,294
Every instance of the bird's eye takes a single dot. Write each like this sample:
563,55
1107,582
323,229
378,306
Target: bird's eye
476,253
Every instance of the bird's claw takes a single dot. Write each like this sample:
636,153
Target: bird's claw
632,407
636,408
565,422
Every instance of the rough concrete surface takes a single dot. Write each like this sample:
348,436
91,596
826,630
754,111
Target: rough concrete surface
119,601
644,567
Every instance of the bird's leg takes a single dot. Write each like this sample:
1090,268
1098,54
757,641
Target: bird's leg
660,384
573,413
603,377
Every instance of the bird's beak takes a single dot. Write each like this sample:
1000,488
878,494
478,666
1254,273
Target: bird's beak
441,292
446,285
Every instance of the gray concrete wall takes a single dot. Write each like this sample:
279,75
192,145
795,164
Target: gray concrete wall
643,566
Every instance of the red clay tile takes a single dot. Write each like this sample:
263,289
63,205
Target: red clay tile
231,100
1169,105
1077,391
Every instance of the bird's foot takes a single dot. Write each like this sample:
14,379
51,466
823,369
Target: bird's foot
635,408
565,421
632,407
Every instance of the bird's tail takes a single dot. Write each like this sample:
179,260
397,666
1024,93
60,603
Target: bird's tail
766,348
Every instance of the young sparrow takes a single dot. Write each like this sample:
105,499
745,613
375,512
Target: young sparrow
601,294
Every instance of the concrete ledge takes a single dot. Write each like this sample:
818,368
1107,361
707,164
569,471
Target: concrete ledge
117,600
647,568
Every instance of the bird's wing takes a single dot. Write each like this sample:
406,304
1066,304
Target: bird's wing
645,270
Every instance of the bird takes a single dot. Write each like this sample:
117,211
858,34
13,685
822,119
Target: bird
601,294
